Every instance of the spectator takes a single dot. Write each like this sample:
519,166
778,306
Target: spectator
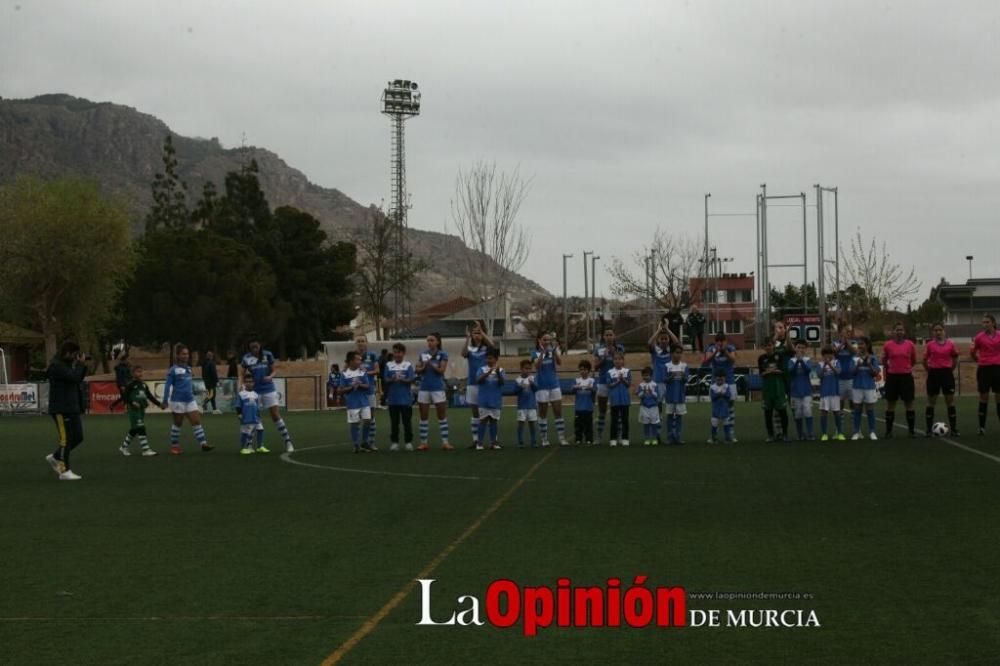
332,382
210,375
674,320
383,359
696,328
233,372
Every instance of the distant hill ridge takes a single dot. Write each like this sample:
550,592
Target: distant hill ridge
56,134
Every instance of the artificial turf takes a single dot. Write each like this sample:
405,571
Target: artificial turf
218,558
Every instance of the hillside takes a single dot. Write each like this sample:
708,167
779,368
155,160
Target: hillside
53,135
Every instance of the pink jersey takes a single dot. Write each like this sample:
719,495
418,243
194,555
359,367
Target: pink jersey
899,357
940,354
987,348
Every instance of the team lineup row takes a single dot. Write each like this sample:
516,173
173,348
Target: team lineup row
848,376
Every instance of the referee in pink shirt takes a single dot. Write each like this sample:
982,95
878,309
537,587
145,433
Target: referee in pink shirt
986,353
940,357
899,355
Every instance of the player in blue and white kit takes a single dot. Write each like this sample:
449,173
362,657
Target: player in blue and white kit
675,394
354,387
477,343
490,379
547,358
432,365
527,404
604,360
399,377
248,409
800,387
369,361
829,394
721,357
845,348
660,345
649,408
584,390
260,363
178,395
620,397
721,409
866,371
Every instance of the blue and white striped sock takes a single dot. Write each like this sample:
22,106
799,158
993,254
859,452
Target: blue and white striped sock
476,432
175,435
443,424
561,427
355,434
543,429
371,430
601,416
283,430
425,429
199,434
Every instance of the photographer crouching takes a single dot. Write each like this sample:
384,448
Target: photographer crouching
65,374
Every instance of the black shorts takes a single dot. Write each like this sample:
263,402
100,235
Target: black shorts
900,387
988,378
940,381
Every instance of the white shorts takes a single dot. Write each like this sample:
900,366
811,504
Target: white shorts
846,392
431,397
802,408
679,408
489,413
358,415
249,428
548,395
733,393
829,403
472,395
527,415
866,396
602,390
649,415
269,400
183,407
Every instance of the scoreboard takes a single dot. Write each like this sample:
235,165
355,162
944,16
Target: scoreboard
806,327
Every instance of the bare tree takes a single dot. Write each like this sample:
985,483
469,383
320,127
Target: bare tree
484,214
675,261
547,317
381,271
877,283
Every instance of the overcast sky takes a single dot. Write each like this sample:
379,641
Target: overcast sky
625,114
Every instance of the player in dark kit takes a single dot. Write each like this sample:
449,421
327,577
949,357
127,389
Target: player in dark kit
65,374
137,398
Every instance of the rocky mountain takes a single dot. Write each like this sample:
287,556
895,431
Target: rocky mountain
55,135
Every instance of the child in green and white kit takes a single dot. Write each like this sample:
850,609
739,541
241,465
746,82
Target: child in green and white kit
137,397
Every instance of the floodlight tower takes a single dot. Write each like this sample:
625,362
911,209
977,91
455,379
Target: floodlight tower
400,101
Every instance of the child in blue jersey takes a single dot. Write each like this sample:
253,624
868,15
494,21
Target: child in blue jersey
527,405
719,393
399,377
649,408
604,361
660,345
620,398
845,348
354,387
432,365
260,363
248,407
332,384
675,394
547,358
477,343
178,395
584,390
369,362
490,380
800,388
866,372
829,394
721,357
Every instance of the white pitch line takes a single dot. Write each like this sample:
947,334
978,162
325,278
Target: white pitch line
287,457
947,440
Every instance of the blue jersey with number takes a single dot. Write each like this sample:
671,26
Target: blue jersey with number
368,362
659,358
357,398
676,383
399,393
491,387
526,392
829,379
865,370
800,373
721,363
606,360
260,367
430,378
618,383
720,400
248,407
546,375
179,386
845,357
477,359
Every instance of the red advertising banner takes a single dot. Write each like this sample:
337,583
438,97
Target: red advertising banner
102,395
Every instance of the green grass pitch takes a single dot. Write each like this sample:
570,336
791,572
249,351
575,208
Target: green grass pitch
221,559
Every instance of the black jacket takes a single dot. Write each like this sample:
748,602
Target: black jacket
65,386
209,374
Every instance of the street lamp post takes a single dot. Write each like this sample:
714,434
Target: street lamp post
586,294
593,290
565,302
972,318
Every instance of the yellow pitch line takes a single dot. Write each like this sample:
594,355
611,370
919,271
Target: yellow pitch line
371,623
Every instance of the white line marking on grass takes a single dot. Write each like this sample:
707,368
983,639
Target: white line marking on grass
946,440
287,457
373,622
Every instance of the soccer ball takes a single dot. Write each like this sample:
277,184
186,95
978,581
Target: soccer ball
940,429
